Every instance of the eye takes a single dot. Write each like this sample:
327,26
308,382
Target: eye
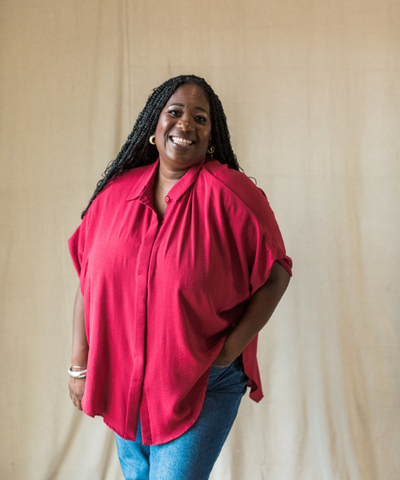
201,119
174,112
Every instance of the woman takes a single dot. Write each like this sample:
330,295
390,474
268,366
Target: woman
181,264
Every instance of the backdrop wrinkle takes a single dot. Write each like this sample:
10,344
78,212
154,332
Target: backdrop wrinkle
311,92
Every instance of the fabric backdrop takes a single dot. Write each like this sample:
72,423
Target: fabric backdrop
311,90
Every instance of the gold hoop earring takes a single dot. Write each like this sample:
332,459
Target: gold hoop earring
211,150
152,139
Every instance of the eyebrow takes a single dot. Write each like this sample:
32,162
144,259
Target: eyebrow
182,105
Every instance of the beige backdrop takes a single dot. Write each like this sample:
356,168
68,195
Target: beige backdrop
311,89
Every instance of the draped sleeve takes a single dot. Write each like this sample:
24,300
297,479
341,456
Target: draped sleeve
79,245
267,244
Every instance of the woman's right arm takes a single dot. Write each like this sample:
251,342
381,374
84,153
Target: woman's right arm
80,350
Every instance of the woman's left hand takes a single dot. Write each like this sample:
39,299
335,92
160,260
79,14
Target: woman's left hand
259,310
224,359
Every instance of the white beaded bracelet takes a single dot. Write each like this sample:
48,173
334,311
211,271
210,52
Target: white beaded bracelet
81,374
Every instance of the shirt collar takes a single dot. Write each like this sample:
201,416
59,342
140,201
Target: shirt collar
142,184
143,188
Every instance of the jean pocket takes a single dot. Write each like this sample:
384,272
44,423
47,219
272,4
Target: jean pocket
224,367
220,367
228,379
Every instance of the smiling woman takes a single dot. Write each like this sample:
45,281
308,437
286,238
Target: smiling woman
181,263
182,137
184,128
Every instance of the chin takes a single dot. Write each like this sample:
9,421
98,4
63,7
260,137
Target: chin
183,161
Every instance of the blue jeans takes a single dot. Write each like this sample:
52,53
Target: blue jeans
192,455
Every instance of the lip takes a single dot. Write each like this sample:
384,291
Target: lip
183,144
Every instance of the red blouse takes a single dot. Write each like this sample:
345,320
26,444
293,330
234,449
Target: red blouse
160,300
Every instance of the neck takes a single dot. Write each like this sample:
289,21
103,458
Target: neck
168,177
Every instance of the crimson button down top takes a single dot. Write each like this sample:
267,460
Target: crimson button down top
159,303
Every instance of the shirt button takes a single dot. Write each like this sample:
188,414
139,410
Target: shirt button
167,199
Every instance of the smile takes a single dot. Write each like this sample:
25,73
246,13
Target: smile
182,141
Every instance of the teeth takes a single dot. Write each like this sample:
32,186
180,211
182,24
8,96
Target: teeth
181,141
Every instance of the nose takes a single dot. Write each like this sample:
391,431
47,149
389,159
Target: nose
185,125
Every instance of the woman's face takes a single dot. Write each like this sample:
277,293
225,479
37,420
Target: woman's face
184,128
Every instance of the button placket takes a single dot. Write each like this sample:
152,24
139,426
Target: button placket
168,201
137,374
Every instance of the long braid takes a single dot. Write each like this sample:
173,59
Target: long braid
137,150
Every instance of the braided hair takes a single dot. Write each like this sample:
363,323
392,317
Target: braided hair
137,150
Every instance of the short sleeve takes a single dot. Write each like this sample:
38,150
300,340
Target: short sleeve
76,244
269,247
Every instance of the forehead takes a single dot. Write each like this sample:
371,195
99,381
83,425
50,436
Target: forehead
190,95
